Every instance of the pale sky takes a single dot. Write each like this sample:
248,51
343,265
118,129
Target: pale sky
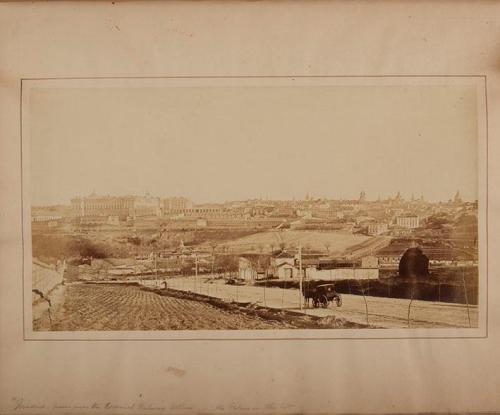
213,144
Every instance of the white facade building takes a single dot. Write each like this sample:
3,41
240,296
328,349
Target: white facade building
408,222
377,228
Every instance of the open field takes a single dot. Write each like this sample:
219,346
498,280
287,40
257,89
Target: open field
313,240
86,307
127,307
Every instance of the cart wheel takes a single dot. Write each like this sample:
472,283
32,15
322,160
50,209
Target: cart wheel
324,301
338,299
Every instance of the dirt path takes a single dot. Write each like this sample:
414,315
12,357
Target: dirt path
382,312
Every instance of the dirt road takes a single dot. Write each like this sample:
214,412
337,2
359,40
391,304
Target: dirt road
382,312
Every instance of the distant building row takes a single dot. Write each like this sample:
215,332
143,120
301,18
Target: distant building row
127,206
405,222
286,266
136,206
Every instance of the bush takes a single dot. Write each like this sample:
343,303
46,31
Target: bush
66,247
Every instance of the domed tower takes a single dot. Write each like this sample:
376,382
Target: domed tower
414,263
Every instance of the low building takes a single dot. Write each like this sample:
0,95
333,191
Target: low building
286,271
400,231
45,218
93,220
333,269
187,223
377,228
250,269
336,274
214,212
370,261
286,267
51,212
389,256
282,265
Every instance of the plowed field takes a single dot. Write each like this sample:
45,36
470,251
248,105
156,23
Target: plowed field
128,307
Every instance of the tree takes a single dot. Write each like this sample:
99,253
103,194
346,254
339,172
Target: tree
187,267
227,263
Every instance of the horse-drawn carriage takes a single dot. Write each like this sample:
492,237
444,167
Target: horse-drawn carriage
321,294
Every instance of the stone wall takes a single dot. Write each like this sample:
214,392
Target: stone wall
343,274
46,277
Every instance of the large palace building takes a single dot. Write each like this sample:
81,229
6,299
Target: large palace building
175,205
121,206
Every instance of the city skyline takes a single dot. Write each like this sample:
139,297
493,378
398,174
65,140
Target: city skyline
307,197
213,144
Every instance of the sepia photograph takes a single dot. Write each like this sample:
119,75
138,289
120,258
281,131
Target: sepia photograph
249,207
278,204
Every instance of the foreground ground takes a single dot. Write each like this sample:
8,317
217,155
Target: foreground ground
382,312
131,307
204,304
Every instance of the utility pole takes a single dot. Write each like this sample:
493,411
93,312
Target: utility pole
300,275
195,271
213,261
156,265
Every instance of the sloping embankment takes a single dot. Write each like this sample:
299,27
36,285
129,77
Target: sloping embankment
296,319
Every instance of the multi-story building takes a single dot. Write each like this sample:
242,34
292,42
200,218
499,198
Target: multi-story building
408,221
121,206
146,206
283,212
175,205
215,211
45,218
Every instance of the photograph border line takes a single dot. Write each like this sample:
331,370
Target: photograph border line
261,77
